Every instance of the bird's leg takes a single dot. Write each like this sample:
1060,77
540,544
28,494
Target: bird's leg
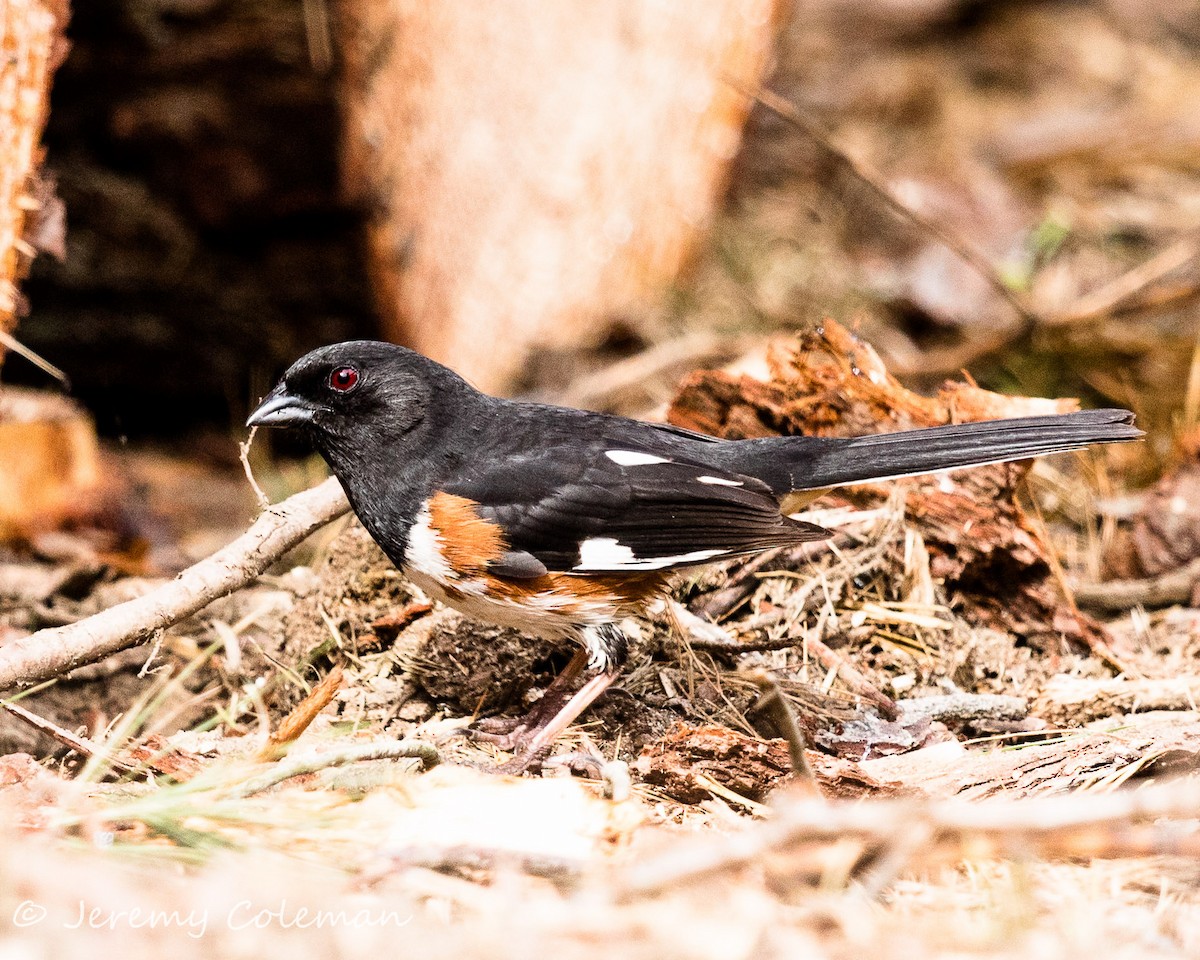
607,648
543,739
508,733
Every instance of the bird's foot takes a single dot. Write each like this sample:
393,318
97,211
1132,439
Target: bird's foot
531,737
525,761
514,734
504,733
581,763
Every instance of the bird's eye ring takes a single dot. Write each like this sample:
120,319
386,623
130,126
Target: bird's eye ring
343,379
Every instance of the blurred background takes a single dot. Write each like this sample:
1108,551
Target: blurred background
533,195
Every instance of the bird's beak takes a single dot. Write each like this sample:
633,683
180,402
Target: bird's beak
280,409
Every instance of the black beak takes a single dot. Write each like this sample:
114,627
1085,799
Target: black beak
280,409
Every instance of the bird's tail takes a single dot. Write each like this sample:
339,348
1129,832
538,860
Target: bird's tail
808,463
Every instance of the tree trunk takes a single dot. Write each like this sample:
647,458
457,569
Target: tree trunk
31,47
538,170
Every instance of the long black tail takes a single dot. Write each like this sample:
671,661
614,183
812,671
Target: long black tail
807,463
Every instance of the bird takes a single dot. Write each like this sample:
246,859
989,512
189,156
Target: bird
564,522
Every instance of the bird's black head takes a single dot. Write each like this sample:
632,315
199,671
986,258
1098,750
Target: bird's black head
355,399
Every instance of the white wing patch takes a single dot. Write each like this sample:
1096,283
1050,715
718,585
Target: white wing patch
632,458
604,553
598,554
721,481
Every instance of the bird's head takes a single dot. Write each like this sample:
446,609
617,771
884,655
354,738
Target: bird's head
358,397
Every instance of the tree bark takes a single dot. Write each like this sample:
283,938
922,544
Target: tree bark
539,170
31,47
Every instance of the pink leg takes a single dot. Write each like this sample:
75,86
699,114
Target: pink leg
510,733
549,732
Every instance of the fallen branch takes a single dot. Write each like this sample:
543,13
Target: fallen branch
1120,824
53,652
427,753
1164,590
81,745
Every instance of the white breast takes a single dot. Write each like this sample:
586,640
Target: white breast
548,614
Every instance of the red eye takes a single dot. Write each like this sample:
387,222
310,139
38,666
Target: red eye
343,379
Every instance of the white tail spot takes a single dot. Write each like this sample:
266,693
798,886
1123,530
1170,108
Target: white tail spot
721,481
632,458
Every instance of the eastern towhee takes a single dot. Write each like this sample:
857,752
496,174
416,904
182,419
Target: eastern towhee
562,522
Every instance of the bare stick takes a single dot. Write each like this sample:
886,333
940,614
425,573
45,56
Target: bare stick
852,677
1120,824
301,716
427,753
1164,590
17,347
81,745
244,455
783,718
53,652
751,645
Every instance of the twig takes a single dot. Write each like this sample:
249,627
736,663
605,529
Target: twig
1115,596
778,710
244,455
421,750
17,347
52,652
752,645
830,659
851,676
812,128
75,742
1119,824
723,792
720,603
1112,298
303,714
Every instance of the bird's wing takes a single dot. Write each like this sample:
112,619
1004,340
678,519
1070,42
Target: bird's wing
596,509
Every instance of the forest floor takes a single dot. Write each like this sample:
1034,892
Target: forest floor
994,676
994,768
